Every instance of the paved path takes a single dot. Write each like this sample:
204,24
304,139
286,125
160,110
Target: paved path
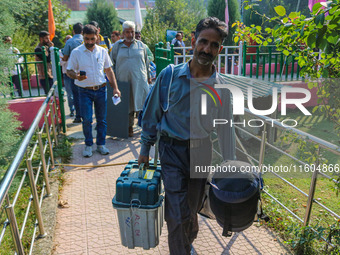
90,224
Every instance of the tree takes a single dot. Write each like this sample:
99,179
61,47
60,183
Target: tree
105,14
8,123
216,8
177,15
296,35
35,19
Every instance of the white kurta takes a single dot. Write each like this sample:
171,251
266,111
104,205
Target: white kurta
130,64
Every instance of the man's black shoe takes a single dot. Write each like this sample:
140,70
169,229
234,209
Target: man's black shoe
77,120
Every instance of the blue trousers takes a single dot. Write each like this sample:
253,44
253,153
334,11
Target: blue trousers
68,87
183,195
88,99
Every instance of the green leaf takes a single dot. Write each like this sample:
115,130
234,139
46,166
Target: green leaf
333,39
236,39
302,30
285,20
286,52
280,10
320,19
293,15
311,40
316,7
265,43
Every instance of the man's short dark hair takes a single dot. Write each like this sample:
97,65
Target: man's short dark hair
94,23
178,34
78,28
6,38
90,29
43,34
214,23
116,32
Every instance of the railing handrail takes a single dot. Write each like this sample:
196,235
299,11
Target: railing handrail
10,173
324,144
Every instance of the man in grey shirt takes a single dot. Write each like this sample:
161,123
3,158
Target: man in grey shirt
70,45
185,131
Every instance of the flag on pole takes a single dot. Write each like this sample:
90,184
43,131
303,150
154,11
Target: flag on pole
226,14
138,17
51,23
312,2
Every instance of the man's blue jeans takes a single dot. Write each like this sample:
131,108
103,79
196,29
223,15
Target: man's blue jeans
68,87
88,98
75,94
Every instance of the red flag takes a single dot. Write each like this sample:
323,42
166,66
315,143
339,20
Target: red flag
226,12
51,23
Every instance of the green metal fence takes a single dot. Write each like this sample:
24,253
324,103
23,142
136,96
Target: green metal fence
28,81
163,57
260,62
266,63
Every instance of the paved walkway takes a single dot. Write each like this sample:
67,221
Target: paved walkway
89,224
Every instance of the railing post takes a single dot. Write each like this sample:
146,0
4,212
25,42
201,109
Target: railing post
263,66
292,70
262,148
244,58
28,77
43,160
269,62
35,198
47,84
240,59
56,114
257,61
60,89
312,191
172,54
219,64
47,127
14,228
53,123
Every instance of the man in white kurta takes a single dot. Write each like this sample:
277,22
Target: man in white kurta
130,64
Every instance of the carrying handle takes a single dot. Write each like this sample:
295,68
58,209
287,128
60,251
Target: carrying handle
142,167
156,154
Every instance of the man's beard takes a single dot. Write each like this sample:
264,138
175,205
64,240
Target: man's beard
128,40
89,45
206,60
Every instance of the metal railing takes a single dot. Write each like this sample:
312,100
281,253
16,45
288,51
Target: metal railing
30,168
227,61
316,173
26,81
265,62
31,85
254,61
163,57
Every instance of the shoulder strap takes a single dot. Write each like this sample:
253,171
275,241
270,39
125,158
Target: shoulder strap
165,87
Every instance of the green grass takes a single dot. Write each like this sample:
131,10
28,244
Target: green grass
64,152
325,192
